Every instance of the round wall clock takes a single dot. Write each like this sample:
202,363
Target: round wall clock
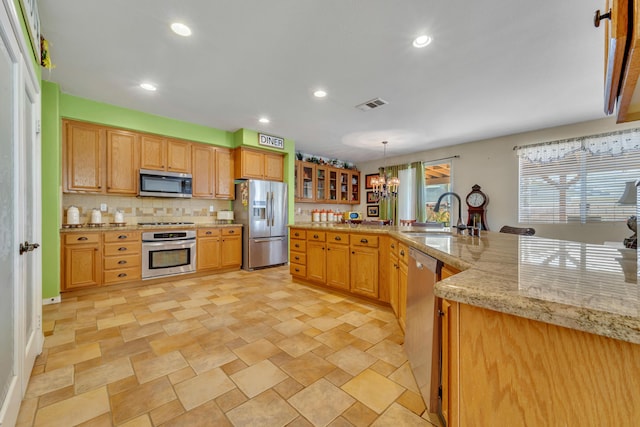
476,208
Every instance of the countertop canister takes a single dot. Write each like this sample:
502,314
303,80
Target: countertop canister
73,215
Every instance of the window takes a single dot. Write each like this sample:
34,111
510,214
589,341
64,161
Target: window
578,180
437,180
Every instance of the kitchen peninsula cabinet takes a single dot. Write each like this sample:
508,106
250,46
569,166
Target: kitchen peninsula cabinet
338,272
298,253
82,157
364,265
403,274
164,154
317,257
258,164
394,274
81,260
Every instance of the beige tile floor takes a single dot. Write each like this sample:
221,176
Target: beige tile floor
235,349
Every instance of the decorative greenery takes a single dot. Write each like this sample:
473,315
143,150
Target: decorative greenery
324,161
45,59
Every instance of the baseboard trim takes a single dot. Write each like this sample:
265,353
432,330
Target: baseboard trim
52,300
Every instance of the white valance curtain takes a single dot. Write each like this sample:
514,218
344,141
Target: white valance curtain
613,143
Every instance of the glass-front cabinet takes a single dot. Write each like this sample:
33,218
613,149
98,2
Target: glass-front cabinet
326,184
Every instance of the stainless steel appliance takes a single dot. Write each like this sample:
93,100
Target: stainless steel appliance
164,184
261,207
422,338
168,252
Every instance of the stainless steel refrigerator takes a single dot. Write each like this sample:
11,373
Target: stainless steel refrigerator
261,207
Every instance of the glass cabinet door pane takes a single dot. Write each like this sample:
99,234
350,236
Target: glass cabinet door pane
333,185
321,184
307,182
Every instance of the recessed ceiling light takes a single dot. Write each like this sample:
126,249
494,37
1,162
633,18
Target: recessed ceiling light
421,41
263,120
148,86
319,93
181,29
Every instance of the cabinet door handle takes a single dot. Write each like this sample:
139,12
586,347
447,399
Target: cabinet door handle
122,275
122,236
353,252
402,252
83,238
122,249
122,262
338,238
393,246
364,241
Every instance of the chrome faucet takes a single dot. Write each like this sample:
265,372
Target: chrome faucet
460,225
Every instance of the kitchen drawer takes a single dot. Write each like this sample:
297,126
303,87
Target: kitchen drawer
123,261
81,238
338,238
121,275
364,240
208,232
403,253
121,236
298,234
316,236
393,247
298,270
111,249
298,258
232,231
299,245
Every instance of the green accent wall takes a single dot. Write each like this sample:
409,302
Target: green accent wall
57,105
51,190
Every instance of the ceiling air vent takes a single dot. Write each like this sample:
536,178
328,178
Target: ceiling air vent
371,104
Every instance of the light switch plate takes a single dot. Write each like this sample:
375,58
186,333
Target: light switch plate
103,207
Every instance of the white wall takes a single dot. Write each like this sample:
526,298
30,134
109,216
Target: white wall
493,165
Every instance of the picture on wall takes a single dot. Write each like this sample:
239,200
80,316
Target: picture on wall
367,181
372,210
372,198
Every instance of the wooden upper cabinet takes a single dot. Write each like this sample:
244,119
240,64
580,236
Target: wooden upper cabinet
154,152
178,156
273,167
123,162
258,164
223,173
203,171
83,157
163,154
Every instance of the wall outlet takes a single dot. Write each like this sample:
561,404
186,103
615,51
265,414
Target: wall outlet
103,207
211,208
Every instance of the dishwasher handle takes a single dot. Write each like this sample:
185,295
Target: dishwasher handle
424,261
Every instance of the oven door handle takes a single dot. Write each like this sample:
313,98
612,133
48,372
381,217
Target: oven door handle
168,242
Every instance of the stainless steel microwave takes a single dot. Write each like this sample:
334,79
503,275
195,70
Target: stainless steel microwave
164,184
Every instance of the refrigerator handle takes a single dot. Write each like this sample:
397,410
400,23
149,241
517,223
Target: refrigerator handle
272,214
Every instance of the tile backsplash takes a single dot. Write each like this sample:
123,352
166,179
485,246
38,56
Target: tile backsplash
145,209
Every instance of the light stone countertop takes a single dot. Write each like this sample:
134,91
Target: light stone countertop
137,227
592,288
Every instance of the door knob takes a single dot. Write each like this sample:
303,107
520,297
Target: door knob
28,247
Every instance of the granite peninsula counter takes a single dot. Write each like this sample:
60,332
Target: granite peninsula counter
591,288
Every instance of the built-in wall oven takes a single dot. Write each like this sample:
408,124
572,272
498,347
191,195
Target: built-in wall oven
167,253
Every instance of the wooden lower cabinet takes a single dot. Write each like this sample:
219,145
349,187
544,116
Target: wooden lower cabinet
81,260
505,370
208,249
338,260
298,253
121,253
317,261
231,247
394,275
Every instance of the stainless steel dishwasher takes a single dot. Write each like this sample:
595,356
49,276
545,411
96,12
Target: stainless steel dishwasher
422,335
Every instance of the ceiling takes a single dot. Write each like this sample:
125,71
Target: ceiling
494,67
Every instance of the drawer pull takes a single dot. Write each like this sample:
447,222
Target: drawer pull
122,236
402,252
83,238
338,238
297,258
315,236
122,248
297,245
208,232
393,246
297,270
232,231
122,275
296,234
364,241
122,262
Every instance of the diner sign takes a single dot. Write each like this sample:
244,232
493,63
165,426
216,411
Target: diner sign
270,141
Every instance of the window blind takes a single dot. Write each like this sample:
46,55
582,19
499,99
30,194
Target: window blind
578,180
